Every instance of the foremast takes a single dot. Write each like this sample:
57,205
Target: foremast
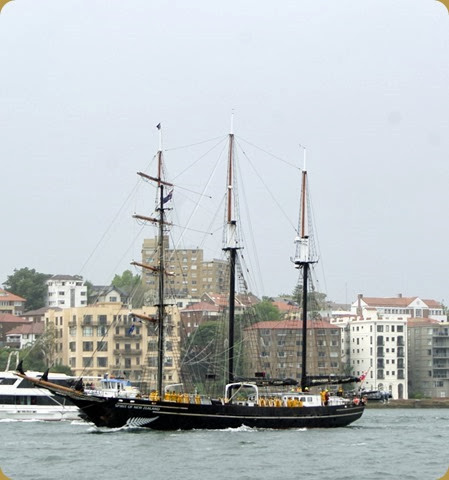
160,269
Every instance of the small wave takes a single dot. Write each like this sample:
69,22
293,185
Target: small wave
243,428
105,430
80,422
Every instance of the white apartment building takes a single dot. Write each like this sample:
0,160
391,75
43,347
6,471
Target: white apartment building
375,338
377,348
402,308
66,291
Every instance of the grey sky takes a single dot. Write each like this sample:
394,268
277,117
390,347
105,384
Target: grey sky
363,84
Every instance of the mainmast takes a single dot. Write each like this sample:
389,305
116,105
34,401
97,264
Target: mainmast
303,260
231,246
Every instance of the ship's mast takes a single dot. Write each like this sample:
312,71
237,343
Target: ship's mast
160,269
303,260
231,246
161,247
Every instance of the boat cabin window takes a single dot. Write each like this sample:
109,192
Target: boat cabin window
8,381
25,384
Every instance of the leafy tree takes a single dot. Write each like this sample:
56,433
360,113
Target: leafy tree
126,280
266,311
200,357
90,288
132,286
62,369
316,301
30,285
4,354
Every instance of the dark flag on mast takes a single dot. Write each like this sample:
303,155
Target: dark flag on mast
168,197
158,126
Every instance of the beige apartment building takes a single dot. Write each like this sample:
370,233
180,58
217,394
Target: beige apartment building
188,273
104,339
279,351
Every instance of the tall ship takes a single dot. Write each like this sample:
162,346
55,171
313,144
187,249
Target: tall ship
255,401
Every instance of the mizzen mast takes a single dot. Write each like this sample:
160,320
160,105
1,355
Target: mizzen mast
303,260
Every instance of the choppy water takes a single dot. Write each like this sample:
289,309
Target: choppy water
384,444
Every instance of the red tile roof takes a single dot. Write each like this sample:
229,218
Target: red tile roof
202,306
10,318
36,328
419,322
403,302
291,325
285,307
10,297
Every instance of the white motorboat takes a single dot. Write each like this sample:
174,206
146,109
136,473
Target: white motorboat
22,400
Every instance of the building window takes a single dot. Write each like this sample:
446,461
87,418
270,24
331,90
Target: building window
88,346
87,331
101,331
102,362
87,362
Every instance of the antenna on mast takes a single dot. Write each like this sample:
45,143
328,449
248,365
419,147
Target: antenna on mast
232,122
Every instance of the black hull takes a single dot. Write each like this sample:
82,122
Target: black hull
115,413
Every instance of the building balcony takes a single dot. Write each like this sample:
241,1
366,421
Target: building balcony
127,353
127,337
442,334
441,365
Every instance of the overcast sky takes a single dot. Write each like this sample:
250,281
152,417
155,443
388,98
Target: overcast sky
364,85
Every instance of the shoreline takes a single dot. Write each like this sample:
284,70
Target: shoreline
411,403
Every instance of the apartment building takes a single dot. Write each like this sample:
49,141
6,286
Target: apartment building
428,346
276,349
66,291
105,339
188,274
377,347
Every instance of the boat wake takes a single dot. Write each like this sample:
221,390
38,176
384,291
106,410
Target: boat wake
105,430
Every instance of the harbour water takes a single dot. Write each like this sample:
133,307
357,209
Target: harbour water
384,444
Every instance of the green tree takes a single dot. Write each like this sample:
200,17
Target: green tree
200,357
62,369
265,311
127,281
132,286
90,288
30,285
316,301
